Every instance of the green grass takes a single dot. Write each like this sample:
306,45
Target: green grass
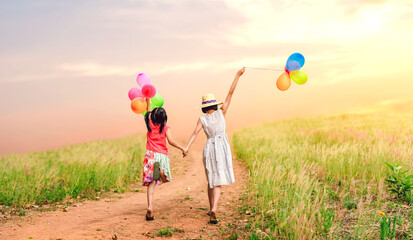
325,177
77,171
168,231
165,232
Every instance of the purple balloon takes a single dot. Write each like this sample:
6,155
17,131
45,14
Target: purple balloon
143,79
293,65
134,93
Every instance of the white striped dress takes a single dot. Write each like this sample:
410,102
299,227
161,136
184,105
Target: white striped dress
217,152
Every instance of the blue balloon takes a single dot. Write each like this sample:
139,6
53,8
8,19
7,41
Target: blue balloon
295,62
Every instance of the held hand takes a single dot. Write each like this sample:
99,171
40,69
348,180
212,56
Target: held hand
185,152
240,72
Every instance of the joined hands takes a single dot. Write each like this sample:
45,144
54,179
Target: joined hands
185,152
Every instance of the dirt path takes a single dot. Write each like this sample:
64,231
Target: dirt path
125,216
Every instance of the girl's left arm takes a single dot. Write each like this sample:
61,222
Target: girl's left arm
172,142
194,134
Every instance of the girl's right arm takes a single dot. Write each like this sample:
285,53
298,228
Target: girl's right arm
194,134
148,105
148,108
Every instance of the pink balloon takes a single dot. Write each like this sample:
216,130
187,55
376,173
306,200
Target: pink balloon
148,90
143,79
134,93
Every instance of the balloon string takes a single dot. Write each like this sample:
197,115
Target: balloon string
271,69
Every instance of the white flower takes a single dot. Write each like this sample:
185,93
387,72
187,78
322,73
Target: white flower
397,169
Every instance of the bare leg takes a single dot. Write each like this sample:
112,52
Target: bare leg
209,197
216,192
150,192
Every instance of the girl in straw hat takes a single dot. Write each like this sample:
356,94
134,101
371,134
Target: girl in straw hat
217,152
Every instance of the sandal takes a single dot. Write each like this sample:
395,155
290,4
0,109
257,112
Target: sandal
156,172
213,218
148,216
209,213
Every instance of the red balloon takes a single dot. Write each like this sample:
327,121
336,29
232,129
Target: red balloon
286,70
148,90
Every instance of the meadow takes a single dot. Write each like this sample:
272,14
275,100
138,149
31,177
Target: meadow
78,171
325,177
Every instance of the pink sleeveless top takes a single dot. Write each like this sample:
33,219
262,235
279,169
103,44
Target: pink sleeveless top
156,141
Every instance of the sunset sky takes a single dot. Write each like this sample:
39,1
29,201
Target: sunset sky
67,66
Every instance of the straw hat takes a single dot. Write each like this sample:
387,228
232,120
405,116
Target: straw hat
209,100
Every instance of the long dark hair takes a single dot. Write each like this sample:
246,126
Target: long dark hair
158,116
206,109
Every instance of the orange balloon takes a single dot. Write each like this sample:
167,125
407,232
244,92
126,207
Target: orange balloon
138,105
283,81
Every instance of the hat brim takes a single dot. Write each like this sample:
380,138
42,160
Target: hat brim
210,104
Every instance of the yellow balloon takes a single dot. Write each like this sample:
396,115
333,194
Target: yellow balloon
283,81
299,77
138,105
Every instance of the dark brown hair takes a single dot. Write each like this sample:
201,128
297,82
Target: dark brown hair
206,109
158,116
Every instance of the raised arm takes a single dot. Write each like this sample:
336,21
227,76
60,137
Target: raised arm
224,107
194,134
148,105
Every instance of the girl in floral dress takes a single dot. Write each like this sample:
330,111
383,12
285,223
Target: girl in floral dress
156,163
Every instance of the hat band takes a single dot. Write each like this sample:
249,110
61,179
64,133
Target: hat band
211,101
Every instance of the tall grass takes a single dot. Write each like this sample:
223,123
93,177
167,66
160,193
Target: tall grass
324,177
70,172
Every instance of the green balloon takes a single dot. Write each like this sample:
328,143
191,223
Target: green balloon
152,105
157,100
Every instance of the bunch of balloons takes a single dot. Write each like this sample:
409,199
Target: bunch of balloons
147,90
292,72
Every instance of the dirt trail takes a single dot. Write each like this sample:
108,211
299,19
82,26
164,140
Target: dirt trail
125,216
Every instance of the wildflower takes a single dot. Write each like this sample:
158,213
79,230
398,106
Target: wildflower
382,213
397,169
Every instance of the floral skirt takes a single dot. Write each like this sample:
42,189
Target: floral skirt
148,167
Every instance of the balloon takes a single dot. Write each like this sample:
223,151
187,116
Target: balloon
286,70
295,61
134,93
293,65
157,100
143,79
299,77
152,105
138,105
144,113
283,81
148,90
